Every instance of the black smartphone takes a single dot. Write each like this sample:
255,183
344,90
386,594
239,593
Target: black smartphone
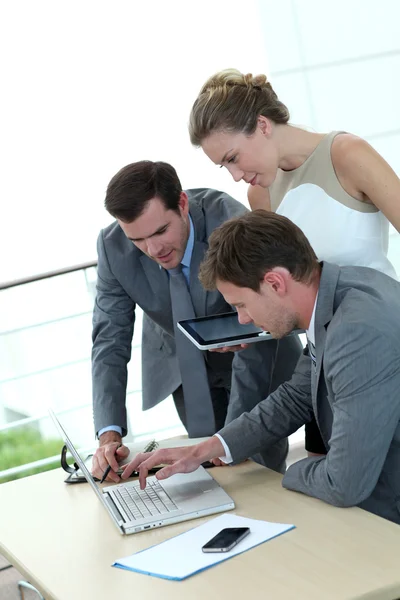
226,539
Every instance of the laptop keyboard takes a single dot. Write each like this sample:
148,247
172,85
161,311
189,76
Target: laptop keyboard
139,504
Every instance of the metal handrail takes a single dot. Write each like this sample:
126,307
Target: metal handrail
9,284
45,415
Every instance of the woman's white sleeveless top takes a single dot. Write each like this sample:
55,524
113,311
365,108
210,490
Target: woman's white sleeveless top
341,229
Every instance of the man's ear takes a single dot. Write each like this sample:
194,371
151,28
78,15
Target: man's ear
184,204
276,280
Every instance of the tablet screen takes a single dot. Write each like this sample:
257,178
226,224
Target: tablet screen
217,328
222,328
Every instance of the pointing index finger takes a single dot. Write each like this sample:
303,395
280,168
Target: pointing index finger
139,459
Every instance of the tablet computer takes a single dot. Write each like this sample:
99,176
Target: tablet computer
217,331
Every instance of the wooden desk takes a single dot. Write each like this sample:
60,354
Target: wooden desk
64,542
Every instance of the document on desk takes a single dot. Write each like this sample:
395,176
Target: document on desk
182,556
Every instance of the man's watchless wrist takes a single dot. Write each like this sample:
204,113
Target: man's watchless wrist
108,437
209,449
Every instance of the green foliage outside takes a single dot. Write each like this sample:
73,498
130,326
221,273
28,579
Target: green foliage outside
22,446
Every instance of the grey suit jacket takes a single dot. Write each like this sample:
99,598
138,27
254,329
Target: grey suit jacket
127,277
354,391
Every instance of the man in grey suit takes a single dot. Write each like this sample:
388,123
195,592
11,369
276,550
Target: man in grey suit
159,229
349,376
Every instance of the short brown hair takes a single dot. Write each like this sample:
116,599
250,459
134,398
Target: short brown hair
130,190
232,102
243,249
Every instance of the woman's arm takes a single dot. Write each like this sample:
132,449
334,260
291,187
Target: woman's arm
366,176
258,197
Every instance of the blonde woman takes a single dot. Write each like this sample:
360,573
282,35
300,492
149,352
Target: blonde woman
334,186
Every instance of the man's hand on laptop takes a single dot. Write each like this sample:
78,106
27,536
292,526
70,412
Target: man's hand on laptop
110,452
178,460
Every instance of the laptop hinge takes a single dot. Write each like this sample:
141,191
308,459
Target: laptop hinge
118,516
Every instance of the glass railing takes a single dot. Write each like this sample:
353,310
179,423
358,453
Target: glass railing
45,346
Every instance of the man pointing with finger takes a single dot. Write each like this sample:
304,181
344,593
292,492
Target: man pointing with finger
348,376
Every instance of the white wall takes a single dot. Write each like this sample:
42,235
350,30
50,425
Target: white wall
89,86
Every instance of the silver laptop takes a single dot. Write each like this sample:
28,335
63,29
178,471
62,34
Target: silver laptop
180,498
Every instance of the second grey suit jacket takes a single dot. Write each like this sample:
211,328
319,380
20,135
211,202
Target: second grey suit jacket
354,392
127,277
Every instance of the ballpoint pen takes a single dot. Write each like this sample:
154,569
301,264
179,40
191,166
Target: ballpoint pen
151,446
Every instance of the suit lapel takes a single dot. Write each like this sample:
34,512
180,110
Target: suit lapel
158,281
323,316
200,246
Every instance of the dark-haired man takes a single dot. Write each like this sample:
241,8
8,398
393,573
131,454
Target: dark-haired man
349,376
150,257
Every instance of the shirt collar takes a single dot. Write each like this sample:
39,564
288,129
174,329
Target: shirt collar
187,257
310,332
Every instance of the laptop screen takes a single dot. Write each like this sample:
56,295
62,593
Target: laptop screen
74,452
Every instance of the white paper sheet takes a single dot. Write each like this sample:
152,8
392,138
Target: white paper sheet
181,556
